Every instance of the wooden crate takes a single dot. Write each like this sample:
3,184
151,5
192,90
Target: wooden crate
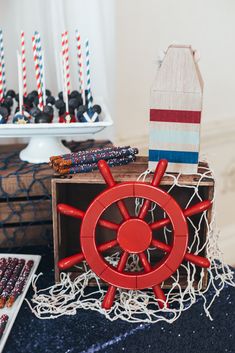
79,190
25,197
25,201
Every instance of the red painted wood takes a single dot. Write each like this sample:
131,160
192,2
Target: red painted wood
145,263
110,295
195,259
134,235
130,280
76,213
175,116
109,298
107,175
190,211
158,174
72,260
70,211
158,292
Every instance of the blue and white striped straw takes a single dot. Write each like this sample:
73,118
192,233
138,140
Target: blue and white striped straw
2,58
40,62
88,75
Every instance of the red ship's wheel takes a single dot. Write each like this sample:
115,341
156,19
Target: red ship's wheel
134,235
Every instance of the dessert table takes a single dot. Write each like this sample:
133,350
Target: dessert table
89,331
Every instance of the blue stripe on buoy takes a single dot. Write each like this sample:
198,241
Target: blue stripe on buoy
174,156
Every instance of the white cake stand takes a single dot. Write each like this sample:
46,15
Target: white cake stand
45,139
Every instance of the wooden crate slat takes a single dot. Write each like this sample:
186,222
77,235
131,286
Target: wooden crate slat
24,235
131,172
23,186
25,211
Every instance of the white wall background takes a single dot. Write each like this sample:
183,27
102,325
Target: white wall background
145,27
94,19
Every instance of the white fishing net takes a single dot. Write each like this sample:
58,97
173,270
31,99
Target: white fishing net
68,296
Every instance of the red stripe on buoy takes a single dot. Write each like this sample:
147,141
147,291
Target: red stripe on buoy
176,116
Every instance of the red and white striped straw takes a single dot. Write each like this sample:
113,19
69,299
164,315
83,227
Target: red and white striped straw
65,92
65,53
37,74
23,63
20,81
80,66
1,83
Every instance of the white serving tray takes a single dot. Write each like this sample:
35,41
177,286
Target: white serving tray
56,129
45,141
13,311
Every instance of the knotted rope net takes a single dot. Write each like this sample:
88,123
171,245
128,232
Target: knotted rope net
184,288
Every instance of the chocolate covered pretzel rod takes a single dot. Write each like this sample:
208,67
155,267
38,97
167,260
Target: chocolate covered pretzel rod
3,266
11,282
95,157
3,322
85,168
19,285
12,262
56,159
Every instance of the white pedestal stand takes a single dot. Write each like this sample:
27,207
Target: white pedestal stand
45,139
41,148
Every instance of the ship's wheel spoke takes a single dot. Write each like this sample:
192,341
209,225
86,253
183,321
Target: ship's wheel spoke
72,260
76,213
190,211
108,178
195,259
158,292
158,174
160,296
110,295
122,208
145,262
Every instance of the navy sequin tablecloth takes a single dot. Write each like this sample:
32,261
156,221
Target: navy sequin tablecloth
89,332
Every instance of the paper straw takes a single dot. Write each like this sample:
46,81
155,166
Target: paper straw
40,63
2,57
65,51
67,62
80,66
23,64
43,78
20,81
1,83
37,74
88,74
64,80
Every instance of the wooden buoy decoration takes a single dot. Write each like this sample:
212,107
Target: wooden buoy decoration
175,111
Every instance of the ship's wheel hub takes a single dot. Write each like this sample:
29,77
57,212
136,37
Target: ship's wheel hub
134,236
